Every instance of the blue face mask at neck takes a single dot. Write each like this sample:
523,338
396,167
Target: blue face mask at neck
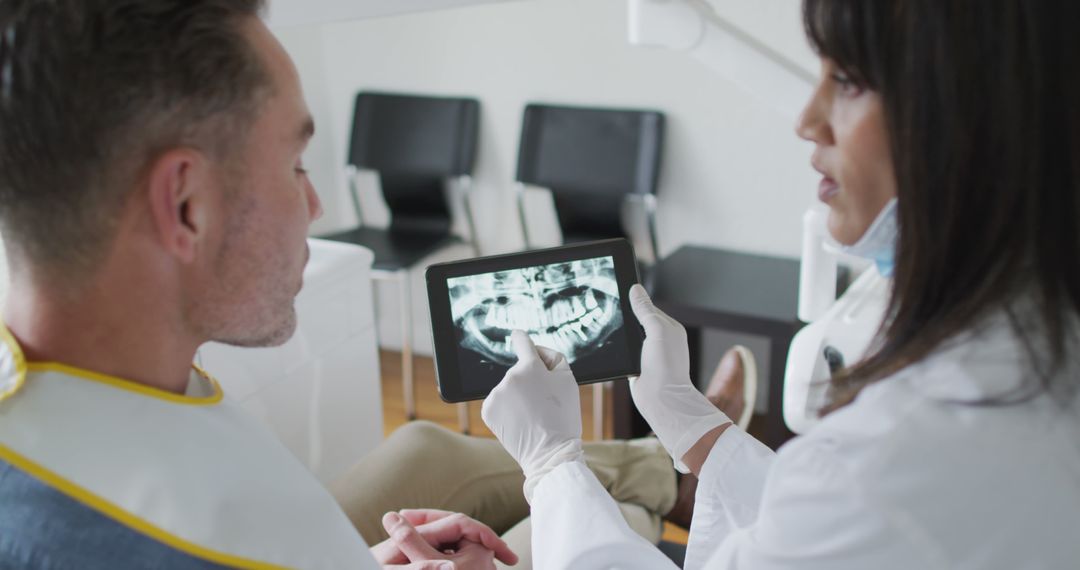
879,242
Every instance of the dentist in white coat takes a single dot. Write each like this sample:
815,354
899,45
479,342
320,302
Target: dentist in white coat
949,141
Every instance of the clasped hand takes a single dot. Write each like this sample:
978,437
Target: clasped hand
430,539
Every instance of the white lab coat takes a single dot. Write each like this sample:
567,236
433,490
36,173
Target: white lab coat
901,478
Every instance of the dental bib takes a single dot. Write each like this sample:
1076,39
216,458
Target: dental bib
192,472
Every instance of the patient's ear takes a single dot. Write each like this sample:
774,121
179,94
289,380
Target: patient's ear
180,188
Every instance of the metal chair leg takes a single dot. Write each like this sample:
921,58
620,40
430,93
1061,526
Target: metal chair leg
407,384
598,411
463,417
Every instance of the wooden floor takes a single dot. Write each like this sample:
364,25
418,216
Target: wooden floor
430,407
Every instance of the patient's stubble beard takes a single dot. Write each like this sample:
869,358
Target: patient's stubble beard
253,299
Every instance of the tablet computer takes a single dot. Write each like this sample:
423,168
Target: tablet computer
573,299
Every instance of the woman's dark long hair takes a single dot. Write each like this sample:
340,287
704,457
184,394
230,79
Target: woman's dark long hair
982,106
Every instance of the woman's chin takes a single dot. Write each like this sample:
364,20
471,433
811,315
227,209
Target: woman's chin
842,230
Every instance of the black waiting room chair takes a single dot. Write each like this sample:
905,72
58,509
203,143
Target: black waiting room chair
422,149
601,167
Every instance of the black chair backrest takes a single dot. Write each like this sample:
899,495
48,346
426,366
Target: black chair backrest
590,159
415,143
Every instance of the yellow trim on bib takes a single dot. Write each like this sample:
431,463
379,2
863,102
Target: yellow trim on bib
20,363
206,375
127,519
22,367
129,385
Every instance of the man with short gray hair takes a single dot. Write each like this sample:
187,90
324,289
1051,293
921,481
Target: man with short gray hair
153,198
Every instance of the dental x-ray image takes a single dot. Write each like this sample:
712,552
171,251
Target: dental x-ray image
572,307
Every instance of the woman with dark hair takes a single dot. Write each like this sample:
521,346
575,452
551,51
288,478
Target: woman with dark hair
948,137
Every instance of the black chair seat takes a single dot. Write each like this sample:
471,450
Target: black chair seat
395,250
578,237
675,551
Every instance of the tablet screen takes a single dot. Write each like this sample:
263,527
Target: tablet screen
573,306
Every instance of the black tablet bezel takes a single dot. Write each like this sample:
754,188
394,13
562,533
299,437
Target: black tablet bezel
447,371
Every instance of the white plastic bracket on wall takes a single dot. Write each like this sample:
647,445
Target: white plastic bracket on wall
697,27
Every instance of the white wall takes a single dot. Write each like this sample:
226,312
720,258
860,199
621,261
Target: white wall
299,12
734,176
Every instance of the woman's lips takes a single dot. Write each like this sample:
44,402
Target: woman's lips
827,189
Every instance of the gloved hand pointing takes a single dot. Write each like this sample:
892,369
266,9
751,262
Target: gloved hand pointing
535,411
678,413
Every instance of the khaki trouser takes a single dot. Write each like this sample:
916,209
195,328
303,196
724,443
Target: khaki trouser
422,465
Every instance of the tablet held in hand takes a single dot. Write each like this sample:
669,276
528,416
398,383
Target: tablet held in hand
572,299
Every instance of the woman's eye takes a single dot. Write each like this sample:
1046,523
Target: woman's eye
301,170
846,85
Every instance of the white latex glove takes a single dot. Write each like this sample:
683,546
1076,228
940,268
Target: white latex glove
678,413
535,411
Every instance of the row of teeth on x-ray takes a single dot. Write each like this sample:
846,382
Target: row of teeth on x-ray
571,307
567,326
517,316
